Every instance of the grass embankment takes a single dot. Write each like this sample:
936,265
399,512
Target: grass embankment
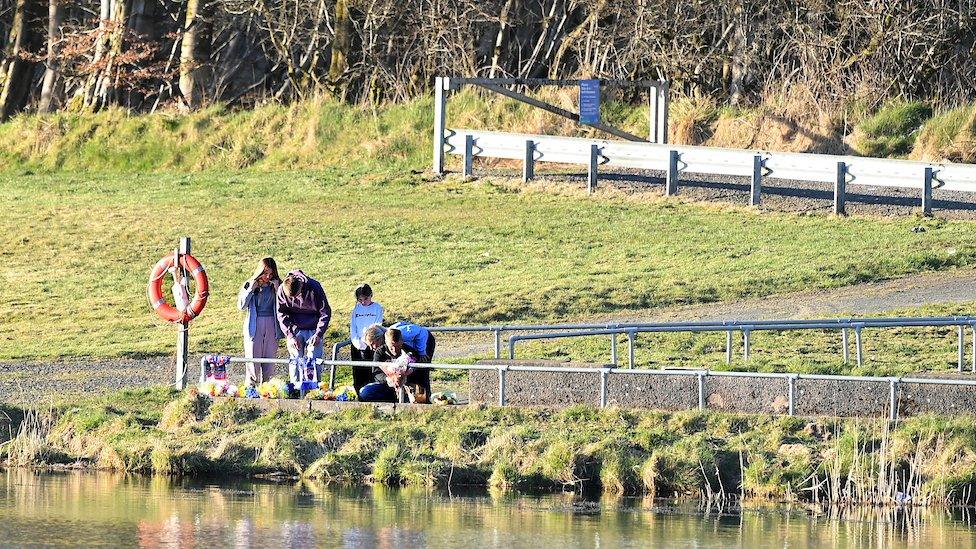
627,452
321,134
77,250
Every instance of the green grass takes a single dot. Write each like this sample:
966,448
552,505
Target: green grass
946,135
77,250
893,129
618,451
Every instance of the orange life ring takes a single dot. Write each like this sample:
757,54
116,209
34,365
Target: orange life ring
155,290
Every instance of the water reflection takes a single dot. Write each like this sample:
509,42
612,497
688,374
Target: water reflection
118,510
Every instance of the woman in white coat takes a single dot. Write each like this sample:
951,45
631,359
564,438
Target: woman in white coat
261,330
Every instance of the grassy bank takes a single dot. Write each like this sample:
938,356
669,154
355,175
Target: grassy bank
322,134
77,250
617,451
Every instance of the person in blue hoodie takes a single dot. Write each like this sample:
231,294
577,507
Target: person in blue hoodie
257,298
303,314
418,337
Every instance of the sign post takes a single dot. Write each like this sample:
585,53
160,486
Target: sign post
589,102
183,336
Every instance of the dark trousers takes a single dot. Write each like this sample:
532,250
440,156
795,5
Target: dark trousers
361,375
381,392
431,344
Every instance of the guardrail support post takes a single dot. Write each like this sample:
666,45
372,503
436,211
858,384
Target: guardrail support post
594,163
528,169
501,385
962,346
755,196
857,344
745,345
671,184
728,347
468,155
847,347
792,394
893,399
631,340
498,343
440,122
840,189
701,390
927,192
604,374
613,349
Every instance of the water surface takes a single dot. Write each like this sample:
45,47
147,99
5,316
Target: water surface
113,510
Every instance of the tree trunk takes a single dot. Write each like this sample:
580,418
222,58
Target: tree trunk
741,49
50,89
341,50
195,53
15,71
501,39
110,40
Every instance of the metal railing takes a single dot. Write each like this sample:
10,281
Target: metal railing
840,171
747,327
605,373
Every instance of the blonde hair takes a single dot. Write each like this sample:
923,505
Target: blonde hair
373,334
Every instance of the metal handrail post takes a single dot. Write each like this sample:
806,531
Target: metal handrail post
631,340
973,327
857,342
498,343
203,369
893,399
847,347
962,346
332,368
512,340
501,384
728,347
613,349
791,388
604,374
701,389
745,343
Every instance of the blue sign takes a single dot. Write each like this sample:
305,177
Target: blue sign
589,101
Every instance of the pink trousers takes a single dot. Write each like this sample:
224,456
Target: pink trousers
262,345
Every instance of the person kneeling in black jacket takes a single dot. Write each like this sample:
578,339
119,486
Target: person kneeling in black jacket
388,347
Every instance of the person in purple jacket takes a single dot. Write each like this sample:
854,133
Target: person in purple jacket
303,314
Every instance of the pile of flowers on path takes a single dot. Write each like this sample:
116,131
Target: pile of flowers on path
276,388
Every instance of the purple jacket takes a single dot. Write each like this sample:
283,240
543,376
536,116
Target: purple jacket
309,310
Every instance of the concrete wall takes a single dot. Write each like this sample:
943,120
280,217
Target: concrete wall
745,394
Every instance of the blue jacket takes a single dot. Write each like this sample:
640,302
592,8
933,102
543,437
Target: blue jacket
245,302
413,335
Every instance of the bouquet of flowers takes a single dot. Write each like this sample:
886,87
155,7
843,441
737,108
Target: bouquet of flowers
273,388
319,394
345,394
443,399
219,387
397,371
